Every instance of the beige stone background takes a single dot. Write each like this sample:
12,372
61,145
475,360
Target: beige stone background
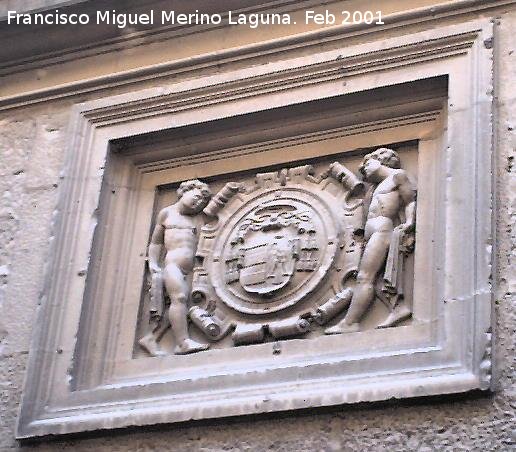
32,145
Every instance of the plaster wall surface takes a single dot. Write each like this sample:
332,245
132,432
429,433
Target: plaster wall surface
32,145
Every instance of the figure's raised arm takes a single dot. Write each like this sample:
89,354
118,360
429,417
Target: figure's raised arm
156,243
218,202
342,174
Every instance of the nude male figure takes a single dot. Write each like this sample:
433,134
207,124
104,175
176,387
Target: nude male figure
176,231
393,200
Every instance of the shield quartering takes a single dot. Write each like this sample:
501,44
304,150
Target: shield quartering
267,246
268,265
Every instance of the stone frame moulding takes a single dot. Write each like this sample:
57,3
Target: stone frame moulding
82,374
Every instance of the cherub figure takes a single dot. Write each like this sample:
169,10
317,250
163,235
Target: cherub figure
393,200
176,231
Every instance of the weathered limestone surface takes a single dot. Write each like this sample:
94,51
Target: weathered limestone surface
31,157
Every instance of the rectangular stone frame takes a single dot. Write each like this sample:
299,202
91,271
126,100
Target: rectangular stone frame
75,380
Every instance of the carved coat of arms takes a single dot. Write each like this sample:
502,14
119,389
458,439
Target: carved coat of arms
269,246
279,258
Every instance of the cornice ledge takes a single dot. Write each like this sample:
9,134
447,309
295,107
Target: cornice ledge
145,37
247,83
190,64
161,33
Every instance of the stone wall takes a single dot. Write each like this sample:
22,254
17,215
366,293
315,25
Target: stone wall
32,144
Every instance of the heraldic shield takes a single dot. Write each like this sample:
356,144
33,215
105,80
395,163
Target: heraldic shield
268,266
270,243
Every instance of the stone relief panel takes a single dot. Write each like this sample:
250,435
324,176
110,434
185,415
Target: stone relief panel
294,253
255,289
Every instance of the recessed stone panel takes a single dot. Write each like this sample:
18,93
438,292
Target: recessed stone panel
275,255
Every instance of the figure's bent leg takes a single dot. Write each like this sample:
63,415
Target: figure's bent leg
372,261
177,288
